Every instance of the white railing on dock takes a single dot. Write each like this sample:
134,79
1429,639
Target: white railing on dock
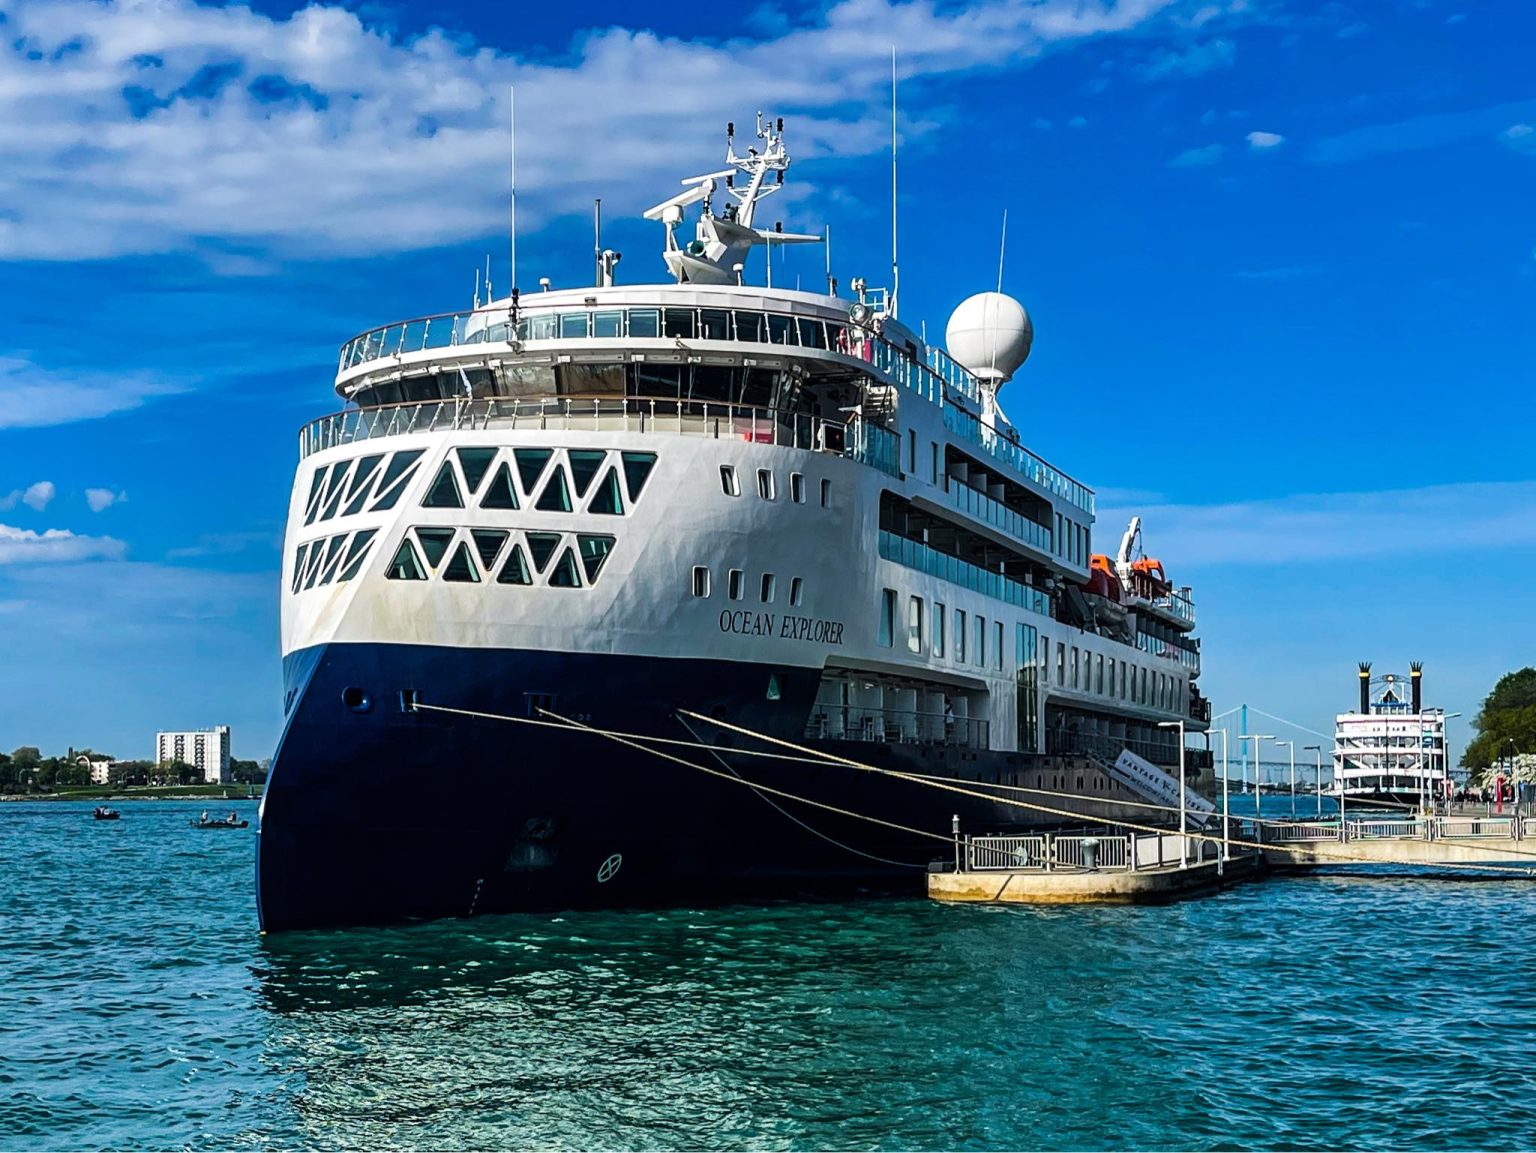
1071,852
1402,829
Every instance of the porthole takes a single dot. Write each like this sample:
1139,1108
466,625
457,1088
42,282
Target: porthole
356,699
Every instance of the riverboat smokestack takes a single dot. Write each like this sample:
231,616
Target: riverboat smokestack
1416,679
1365,687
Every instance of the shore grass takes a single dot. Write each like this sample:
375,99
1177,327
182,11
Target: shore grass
137,793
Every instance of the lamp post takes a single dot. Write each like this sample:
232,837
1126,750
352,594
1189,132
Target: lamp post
1318,749
1183,836
1258,740
1445,753
1226,805
1291,745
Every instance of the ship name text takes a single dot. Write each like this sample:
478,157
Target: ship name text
788,627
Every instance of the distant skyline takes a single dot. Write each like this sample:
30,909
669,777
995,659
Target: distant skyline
1280,257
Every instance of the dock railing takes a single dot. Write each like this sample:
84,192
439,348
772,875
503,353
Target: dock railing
1077,852
1510,828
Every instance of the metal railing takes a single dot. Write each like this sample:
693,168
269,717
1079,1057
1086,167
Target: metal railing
857,439
1401,829
916,555
995,513
897,726
1176,605
1073,852
933,381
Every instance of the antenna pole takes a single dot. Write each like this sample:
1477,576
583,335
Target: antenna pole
512,172
826,241
597,239
1002,247
895,268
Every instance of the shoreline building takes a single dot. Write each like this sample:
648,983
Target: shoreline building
207,750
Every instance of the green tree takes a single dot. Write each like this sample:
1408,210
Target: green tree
27,757
247,772
1506,724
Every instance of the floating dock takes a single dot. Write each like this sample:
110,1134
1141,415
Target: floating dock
1072,869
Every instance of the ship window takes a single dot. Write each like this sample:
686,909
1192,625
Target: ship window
332,556
556,496
333,489
770,586
915,624
515,571
812,333
774,691
298,566
541,546
594,552
573,325
912,451
584,466
960,636
677,322
934,464
607,502
750,326
475,462
981,641
357,491
500,493
728,480
488,544
778,329
663,381
796,592
637,470
530,465
357,552
887,617
460,568
714,324
563,575
644,322
397,474
609,322
434,543
700,581
316,486
826,494
997,646
444,492
312,568
765,483
797,488
406,566
938,630
733,584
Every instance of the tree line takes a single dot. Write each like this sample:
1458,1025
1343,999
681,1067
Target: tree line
26,770
1506,727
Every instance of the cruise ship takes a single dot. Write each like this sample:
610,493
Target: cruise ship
566,563
1392,751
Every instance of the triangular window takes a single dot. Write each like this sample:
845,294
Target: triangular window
334,491
357,553
563,575
530,465
444,492
584,466
312,569
500,494
434,543
637,470
397,474
298,565
332,558
475,462
316,487
608,502
556,496
541,546
515,571
488,544
460,567
407,565
594,551
362,477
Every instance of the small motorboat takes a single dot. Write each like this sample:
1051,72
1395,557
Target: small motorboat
102,813
229,822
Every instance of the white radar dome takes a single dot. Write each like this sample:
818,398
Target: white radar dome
989,335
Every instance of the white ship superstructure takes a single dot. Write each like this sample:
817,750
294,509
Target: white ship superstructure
613,504
1393,750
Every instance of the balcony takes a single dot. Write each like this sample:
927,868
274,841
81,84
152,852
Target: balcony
916,555
993,512
897,726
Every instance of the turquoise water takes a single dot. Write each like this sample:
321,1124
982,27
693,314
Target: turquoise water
142,1010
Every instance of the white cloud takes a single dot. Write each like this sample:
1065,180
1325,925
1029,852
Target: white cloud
1470,519
32,397
23,546
1191,61
1434,131
1078,122
169,126
1197,157
1521,137
38,496
1263,141
101,499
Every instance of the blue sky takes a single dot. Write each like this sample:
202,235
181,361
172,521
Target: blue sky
1281,259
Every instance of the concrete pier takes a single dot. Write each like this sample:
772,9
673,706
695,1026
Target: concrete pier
1507,842
1141,887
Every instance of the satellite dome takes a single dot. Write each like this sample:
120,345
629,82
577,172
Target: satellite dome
989,335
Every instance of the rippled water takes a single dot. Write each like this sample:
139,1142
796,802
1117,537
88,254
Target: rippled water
142,1010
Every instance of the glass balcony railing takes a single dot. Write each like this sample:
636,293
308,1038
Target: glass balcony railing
1176,605
916,555
999,516
939,381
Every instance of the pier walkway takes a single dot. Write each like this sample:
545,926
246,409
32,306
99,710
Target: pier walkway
1449,840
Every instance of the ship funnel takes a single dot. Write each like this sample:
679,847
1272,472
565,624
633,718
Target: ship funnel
1365,687
1416,679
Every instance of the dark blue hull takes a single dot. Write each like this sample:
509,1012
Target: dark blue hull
374,813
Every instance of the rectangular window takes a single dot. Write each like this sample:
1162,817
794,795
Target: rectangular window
912,451
714,324
678,323
1045,658
1061,544
915,624
700,581
997,646
1098,673
573,325
778,329
980,647
1061,663
938,630
728,480
765,483
751,326
826,494
1074,668
887,617
770,586
644,322
796,591
960,636
733,584
797,488
935,464
609,322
